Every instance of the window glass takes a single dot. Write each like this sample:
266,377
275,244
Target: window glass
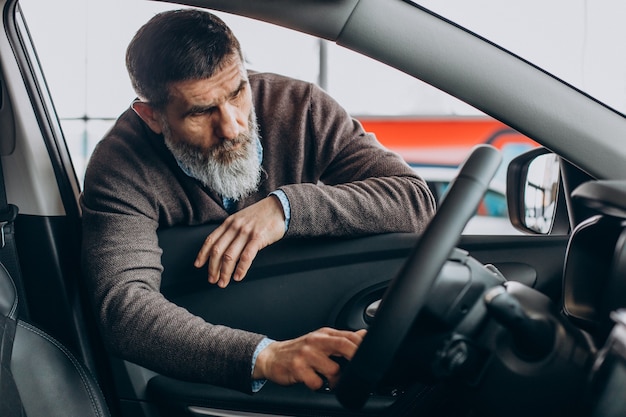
575,40
82,54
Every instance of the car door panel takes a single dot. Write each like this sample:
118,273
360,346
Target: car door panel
296,286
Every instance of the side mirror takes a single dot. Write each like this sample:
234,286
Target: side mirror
533,192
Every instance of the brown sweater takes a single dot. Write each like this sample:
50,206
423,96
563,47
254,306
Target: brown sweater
133,187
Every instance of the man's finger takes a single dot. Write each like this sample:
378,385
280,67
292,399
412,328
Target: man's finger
203,254
342,343
248,254
216,254
312,380
231,258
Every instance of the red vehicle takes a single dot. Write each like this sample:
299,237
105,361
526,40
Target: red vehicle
436,146
444,141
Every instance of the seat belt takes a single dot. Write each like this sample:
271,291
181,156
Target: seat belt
8,248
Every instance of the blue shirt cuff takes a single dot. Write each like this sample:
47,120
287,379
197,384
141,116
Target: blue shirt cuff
284,201
257,384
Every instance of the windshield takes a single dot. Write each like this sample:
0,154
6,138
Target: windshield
578,41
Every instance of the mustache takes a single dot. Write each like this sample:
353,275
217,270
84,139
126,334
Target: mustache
230,149
230,144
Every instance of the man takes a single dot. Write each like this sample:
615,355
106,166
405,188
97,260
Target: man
269,157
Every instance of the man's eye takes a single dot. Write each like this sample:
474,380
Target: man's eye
238,94
201,112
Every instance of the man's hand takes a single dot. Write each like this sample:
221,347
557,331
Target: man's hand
231,248
306,358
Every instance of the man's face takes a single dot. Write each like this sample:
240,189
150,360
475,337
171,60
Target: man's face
210,127
211,113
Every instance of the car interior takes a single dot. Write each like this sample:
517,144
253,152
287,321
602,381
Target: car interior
458,324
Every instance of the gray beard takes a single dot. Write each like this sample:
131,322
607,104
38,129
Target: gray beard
233,174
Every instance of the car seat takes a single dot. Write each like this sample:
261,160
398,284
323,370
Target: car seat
39,376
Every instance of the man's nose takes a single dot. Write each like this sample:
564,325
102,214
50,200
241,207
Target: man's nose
227,125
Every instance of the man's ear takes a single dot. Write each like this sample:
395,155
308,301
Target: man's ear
148,114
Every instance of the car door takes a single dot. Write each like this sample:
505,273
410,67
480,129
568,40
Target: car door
295,286
298,286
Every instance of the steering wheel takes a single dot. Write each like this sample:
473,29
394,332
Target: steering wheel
408,291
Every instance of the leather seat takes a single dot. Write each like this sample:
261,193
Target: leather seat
51,382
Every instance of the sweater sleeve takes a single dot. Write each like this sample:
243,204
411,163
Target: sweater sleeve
363,188
122,263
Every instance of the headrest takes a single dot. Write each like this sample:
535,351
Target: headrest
8,294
